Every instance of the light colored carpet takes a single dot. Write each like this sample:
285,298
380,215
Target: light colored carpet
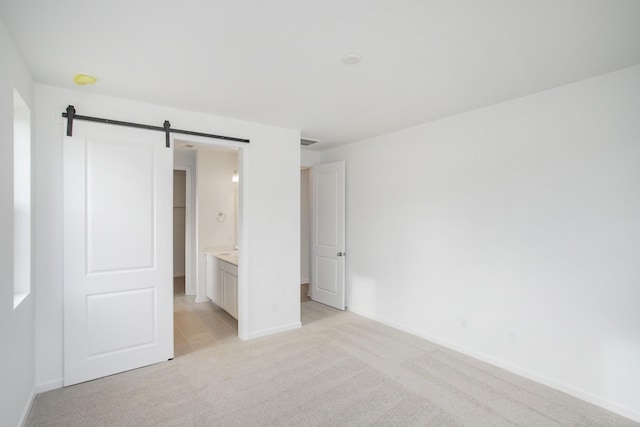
338,369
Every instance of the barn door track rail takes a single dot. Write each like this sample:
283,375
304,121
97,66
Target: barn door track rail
71,115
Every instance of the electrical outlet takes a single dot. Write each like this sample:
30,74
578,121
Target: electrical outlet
463,322
513,336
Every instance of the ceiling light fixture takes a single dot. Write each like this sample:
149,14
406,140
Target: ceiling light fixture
235,177
351,59
84,79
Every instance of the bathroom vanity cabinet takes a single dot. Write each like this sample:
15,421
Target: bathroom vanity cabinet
222,280
230,288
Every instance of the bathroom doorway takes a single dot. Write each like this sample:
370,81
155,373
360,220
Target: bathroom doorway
179,230
213,216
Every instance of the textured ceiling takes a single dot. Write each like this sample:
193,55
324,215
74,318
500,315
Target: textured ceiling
279,62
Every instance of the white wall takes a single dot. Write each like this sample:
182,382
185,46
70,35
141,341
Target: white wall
309,158
16,325
216,194
271,261
272,176
523,216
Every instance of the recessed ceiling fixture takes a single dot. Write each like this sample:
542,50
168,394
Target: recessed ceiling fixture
351,59
84,79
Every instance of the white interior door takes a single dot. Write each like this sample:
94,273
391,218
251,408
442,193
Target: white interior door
327,235
118,290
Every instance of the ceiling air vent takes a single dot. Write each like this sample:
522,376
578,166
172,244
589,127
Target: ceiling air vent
306,142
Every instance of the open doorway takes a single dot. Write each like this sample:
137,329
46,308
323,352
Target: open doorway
213,228
305,234
179,230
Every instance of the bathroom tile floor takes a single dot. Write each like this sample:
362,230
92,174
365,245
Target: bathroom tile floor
201,325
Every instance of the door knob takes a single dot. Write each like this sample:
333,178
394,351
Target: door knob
341,253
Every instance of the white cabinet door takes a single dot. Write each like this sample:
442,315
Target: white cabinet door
214,280
327,235
230,293
212,272
218,289
118,279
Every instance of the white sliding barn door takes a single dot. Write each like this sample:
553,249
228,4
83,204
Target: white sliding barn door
118,280
327,235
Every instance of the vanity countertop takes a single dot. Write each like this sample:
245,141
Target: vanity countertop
226,256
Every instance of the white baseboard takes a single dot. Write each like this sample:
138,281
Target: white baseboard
565,388
205,299
271,331
50,385
27,407
37,389
304,281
